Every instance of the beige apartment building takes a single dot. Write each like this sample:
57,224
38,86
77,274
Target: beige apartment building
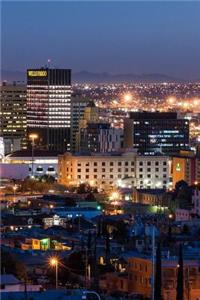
126,169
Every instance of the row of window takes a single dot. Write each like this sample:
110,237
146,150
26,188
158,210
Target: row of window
151,170
126,163
120,163
103,170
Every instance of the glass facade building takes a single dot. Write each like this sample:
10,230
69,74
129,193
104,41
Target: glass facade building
49,108
152,133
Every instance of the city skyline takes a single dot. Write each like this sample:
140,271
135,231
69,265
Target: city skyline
114,37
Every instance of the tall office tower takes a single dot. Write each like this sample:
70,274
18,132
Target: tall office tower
152,133
78,106
49,108
13,116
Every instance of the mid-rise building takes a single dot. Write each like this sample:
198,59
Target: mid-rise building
186,166
49,108
115,169
156,132
78,106
13,117
100,137
90,115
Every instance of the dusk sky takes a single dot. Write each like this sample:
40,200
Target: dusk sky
116,37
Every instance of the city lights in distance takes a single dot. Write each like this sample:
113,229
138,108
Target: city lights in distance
171,100
128,97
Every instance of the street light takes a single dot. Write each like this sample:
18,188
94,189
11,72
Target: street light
114,196
54,263
33,137
14,190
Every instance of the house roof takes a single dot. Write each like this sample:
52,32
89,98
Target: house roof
9,279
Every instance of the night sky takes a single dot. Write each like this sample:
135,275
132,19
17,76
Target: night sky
116,37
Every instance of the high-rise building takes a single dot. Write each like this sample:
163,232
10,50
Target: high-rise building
49,108
78,106
154,132
13,116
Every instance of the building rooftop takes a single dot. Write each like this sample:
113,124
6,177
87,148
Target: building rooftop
37,153
52,295
146,115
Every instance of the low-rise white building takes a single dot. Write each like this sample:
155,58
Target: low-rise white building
42,162
125,169
54,220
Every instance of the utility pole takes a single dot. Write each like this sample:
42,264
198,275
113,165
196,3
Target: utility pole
86,266
188,279
153,263
89,274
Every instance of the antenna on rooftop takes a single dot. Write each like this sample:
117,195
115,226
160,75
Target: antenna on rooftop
48,62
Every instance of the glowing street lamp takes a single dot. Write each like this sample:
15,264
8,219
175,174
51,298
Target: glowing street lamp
114,196
14,190
54,263
33,137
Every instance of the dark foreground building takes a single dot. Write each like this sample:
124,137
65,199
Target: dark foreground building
156,132
49,108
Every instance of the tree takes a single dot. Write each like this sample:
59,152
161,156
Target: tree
75,262
180,287
158,275
82,188
180,185
10,265
186,229
47,178
90,197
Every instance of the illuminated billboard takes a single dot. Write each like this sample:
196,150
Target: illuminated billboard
37,73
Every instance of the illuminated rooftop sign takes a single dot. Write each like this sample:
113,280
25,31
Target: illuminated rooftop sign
178,167
37,73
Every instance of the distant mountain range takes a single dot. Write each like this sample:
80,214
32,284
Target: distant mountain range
105,77
89,77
